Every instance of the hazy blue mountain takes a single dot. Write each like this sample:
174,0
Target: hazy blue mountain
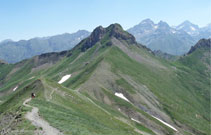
188,27
162,37
195,31
205,32
5,41
173,40
12,52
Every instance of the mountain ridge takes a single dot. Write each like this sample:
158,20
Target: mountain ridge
12,51
202,43
173,40
115,86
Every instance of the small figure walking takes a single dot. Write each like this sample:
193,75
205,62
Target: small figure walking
33,95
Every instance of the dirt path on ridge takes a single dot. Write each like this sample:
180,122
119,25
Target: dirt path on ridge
37,121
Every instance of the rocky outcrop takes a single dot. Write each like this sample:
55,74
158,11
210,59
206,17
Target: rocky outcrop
114,30
2,62
203,43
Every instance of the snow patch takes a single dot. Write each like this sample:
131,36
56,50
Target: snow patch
31,78
136,120
64,78
143,22
155,26
165,123
173,31
121,96
181,27
15,88
192,28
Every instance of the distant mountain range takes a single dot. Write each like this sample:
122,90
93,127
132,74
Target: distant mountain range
173,40
12,52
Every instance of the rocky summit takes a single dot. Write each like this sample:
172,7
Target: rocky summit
203,43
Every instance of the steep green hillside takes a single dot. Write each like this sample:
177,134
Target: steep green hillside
117,86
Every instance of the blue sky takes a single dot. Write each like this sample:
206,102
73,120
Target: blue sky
24,19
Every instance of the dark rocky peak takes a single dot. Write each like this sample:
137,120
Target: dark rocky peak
95,36
112,31
98,33
114,27
116,30
203,43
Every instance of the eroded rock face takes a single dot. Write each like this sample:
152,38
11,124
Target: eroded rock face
96,35
114,30
203,43
118,32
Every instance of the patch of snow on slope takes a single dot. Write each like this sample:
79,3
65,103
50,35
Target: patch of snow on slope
192,28
121,96
135,120
155,26
64,78
31,78
15,88
181,27
165,123
173,31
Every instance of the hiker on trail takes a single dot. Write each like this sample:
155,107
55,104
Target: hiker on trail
33,95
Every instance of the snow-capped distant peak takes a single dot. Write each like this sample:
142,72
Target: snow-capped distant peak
188,26
147,21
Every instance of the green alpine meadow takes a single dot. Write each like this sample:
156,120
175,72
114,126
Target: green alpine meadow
108,84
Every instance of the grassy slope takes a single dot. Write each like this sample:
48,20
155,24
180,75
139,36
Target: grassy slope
87,70
181,95
67,110
73,113
13,111
164,85
182,92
